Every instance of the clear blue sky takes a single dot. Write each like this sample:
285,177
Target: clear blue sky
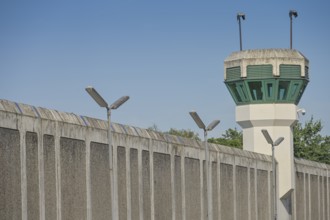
166,55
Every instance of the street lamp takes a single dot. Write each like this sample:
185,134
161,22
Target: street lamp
210,127
274,144
102,103
239,16
295,14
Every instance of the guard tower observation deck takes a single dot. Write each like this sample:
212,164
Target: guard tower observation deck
267,86
266,76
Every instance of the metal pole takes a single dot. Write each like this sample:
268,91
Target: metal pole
274,183
240,33
291,32
208,180
111,165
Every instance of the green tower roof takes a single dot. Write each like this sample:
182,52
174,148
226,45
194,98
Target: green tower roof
266,76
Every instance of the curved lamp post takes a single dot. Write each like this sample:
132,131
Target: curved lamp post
274,144
210,127
102,103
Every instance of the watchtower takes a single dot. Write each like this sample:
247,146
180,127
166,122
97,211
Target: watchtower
267,86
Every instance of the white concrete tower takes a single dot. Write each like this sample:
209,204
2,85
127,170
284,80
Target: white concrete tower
266,86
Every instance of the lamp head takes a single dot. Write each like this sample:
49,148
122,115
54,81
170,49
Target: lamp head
212,125
278,141
197,120
97,97
240,15
267,136
293,13
119,102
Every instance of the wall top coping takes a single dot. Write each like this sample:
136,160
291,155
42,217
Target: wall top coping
299,161
71,118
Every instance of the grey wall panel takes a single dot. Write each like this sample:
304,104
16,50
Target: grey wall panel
10,174
328,200
321,197
326,197
177,187
49,177
215,199
241,193
146,185
226,191
253,194
73,179
204,199
134,184
100,181
307,181
214,191
262,195
162,186
300,191
193,189
314,193
122,187
32,175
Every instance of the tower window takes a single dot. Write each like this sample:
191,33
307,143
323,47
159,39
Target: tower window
294,90
256,90
283,88
235,93
270,90
242,89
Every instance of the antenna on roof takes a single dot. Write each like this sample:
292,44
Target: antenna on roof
295,14
239,16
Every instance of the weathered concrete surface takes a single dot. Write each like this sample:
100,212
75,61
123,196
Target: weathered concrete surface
73,179
227,191
49,177
192,189
146,186
134,175
242,197
162,179
312,194
32,171
263,194
60,162
100,181
122,183
10,174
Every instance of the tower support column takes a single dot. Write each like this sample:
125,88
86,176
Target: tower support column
277,119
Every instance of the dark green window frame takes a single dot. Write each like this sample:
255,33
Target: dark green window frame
283,90
267,90
234,92
256,90
270,90
243,91
295,89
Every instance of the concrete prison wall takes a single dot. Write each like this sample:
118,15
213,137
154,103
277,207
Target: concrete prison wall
312,190
55,165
